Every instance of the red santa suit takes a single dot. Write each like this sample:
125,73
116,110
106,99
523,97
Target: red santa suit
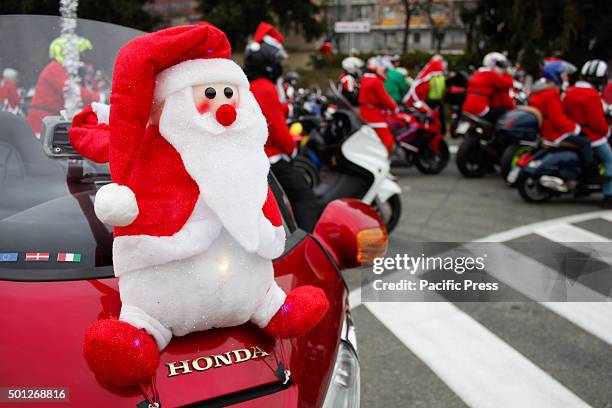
49,95
280,143
419,90
9,96
556,126
196,226
373,100
488,89
582,104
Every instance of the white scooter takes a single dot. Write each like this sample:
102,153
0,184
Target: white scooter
358,165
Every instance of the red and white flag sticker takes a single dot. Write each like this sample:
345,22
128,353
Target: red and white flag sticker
37,256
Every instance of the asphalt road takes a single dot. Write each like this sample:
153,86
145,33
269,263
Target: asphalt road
483,354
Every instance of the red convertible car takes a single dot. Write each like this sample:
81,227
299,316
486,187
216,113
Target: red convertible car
56,277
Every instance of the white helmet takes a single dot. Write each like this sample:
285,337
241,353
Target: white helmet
377,65
352,65
595,71
10,74
495,60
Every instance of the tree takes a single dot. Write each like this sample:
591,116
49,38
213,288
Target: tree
240,19
129,13
530,30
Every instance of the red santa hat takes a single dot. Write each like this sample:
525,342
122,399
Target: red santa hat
155,65
148,69
268,34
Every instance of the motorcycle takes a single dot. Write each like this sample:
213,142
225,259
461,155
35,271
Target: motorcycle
418,138
553,172
456,89
520,127
488,146
352,163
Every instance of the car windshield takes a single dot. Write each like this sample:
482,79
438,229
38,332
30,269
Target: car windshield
48,230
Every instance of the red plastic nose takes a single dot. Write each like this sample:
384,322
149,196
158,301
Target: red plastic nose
226,114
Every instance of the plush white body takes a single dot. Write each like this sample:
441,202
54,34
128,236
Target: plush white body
218,284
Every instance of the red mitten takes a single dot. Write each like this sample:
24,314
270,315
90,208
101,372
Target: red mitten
119,353
90,138
304,307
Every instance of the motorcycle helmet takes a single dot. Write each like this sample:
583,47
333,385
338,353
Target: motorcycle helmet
10,74
556,71
377,66
265,53
352,65
595,72
57,47
495,60
292,78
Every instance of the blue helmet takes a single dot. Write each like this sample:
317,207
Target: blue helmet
554,70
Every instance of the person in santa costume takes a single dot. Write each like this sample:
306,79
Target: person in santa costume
49,92
429,87
582,103
375,102
262,65
196,226
556,125
348,81
488,91
9,95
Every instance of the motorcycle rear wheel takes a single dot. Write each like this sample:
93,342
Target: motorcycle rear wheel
429,162
308,170
531,191
471,158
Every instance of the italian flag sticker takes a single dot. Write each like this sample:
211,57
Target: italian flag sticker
68,257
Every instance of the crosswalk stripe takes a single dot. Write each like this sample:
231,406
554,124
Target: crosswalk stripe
478,366
525,275
565,233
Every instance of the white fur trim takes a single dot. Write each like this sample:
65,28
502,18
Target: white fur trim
269,306
271,239
116,205
102,111
254,46
600,141
137,318
198,71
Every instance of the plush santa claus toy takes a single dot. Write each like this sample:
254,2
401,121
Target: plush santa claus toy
196,226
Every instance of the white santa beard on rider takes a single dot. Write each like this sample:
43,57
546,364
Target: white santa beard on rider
228,164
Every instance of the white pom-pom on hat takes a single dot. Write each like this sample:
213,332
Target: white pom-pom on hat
254,46
116,205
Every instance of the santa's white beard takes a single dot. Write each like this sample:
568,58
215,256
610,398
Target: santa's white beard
228,164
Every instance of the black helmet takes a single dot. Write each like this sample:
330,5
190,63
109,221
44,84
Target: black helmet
595,72
264,60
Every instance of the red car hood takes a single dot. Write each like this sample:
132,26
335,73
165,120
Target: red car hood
44,322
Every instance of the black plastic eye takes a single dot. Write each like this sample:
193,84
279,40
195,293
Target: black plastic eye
229,92
210,93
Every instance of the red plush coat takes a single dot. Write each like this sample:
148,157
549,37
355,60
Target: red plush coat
583,105
488,89
556,126
279,140
49,95
9,94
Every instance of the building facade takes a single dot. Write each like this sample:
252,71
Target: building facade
434,25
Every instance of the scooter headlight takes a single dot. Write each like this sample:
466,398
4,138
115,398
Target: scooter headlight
534,164
344,388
